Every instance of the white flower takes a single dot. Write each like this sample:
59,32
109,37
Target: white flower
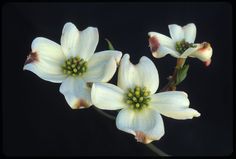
141,108
73,63
180,45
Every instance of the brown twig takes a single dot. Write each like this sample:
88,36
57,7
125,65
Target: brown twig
171,85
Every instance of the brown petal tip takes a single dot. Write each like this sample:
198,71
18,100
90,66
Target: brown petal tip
154,43
141,137
80,104
204,46
32,57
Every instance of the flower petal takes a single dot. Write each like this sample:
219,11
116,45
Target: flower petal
76,92
204,52
45,60
163,51
176,32
161,45
102,66
127,74
143,74
189,51
173,104
190,32
88,41
70,40
163,40
147,124
107,96
148,74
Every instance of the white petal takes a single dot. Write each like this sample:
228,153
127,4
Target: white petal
102,66
43,73
204,52
76,92
148,74
163,51
45,60
147,124
127,74
190,32
124,120
161,45
88,41
173,104
47,49
189,51
70,40
163,40
107,96
176,32
143,74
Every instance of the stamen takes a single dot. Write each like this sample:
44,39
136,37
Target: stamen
138,98
182,46
74,66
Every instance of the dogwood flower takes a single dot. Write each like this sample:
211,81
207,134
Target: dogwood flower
180,45
73,63
141,107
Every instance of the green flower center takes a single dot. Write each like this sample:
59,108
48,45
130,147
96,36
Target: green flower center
74,66
137,98
182,46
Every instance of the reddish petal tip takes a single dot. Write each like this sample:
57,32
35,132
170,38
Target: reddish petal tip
32,57
141,137
207,63
154,43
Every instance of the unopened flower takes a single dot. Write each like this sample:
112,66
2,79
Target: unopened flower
180,45
73,63
141,107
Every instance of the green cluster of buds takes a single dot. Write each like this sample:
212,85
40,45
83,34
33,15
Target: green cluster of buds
74,66
138,98
182,46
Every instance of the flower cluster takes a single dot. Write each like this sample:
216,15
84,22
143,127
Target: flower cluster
84,74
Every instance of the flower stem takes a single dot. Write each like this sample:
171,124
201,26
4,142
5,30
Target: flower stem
104,113
171,85
156,150
152,147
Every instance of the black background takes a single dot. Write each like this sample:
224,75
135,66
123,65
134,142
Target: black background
37,120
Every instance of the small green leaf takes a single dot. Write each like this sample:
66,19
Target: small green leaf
110,46
181,74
